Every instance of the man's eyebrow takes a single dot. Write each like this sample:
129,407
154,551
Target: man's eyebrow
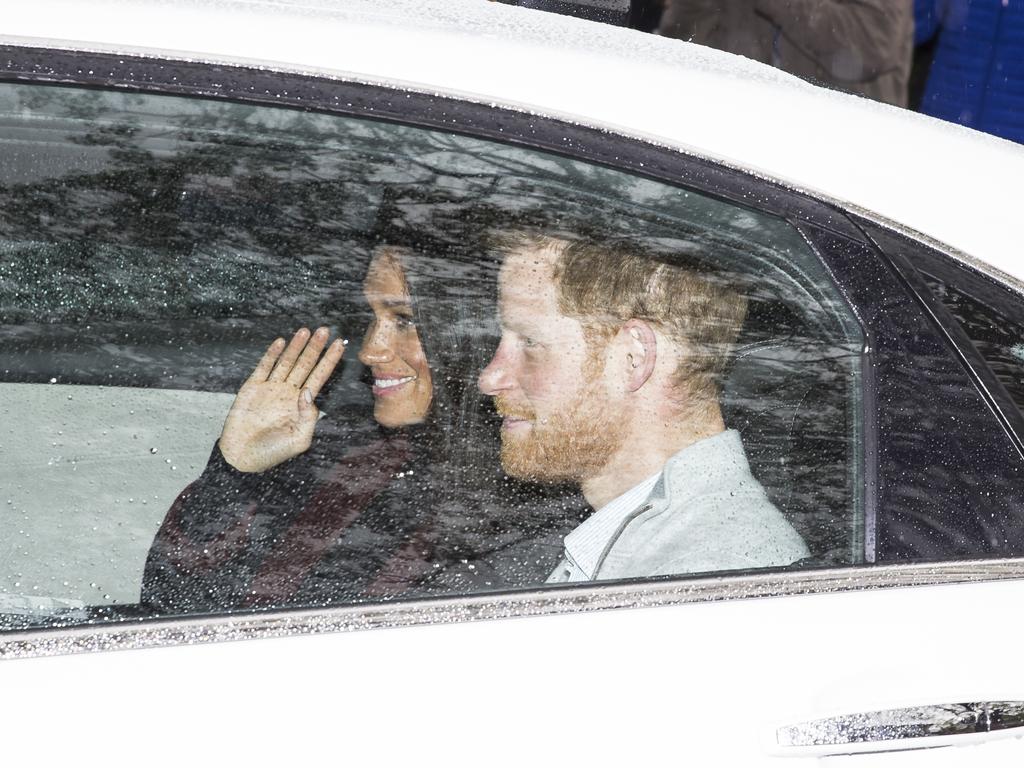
523,327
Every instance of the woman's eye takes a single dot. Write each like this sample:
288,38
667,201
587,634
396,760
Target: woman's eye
404,322
528,342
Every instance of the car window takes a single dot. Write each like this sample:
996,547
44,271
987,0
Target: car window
991,318
978,313
950,452
517,322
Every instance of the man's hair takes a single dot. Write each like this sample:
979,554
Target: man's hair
605,284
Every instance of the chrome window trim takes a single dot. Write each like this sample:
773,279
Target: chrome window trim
153,633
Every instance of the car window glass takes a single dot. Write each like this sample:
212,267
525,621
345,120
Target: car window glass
153,247
994,327
950,464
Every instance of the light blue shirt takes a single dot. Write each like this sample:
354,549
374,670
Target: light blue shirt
585,544
703,512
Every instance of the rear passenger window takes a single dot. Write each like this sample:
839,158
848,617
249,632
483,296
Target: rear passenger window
494,368
993,322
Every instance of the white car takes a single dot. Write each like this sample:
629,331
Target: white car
183,180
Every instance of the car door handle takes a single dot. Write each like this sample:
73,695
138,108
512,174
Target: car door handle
894,725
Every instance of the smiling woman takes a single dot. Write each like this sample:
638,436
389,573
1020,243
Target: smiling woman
402,387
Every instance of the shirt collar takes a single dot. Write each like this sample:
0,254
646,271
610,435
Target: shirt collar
708,463
585,545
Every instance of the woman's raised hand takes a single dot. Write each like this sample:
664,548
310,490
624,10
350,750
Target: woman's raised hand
273,416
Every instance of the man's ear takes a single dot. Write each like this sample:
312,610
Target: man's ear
641,347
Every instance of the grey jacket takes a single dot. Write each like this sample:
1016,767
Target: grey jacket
706,513
860,46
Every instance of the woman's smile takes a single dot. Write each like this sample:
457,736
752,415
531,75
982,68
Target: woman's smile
389,384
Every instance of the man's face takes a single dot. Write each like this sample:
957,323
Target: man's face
546,381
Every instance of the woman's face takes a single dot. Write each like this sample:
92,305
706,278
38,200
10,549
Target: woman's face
402,388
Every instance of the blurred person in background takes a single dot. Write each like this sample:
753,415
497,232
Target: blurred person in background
859,46
977,69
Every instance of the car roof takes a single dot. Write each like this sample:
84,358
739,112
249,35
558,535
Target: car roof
955,185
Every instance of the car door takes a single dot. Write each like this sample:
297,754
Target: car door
155,241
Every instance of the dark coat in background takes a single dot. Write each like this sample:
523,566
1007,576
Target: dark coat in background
859,46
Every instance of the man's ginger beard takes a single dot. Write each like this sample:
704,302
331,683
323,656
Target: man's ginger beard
571,445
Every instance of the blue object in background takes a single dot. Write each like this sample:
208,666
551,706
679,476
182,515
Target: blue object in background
977,75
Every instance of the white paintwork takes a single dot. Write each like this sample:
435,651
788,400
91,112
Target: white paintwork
694,684
953,184
703,685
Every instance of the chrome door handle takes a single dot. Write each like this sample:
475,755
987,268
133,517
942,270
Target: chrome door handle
907,723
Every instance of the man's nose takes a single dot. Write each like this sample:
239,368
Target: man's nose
495,377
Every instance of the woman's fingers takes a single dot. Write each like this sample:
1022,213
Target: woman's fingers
325,367
300,362
291,354
266,363
311,353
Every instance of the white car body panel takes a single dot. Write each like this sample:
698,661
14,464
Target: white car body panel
705,684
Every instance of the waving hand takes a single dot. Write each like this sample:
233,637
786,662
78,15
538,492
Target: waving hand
273,416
